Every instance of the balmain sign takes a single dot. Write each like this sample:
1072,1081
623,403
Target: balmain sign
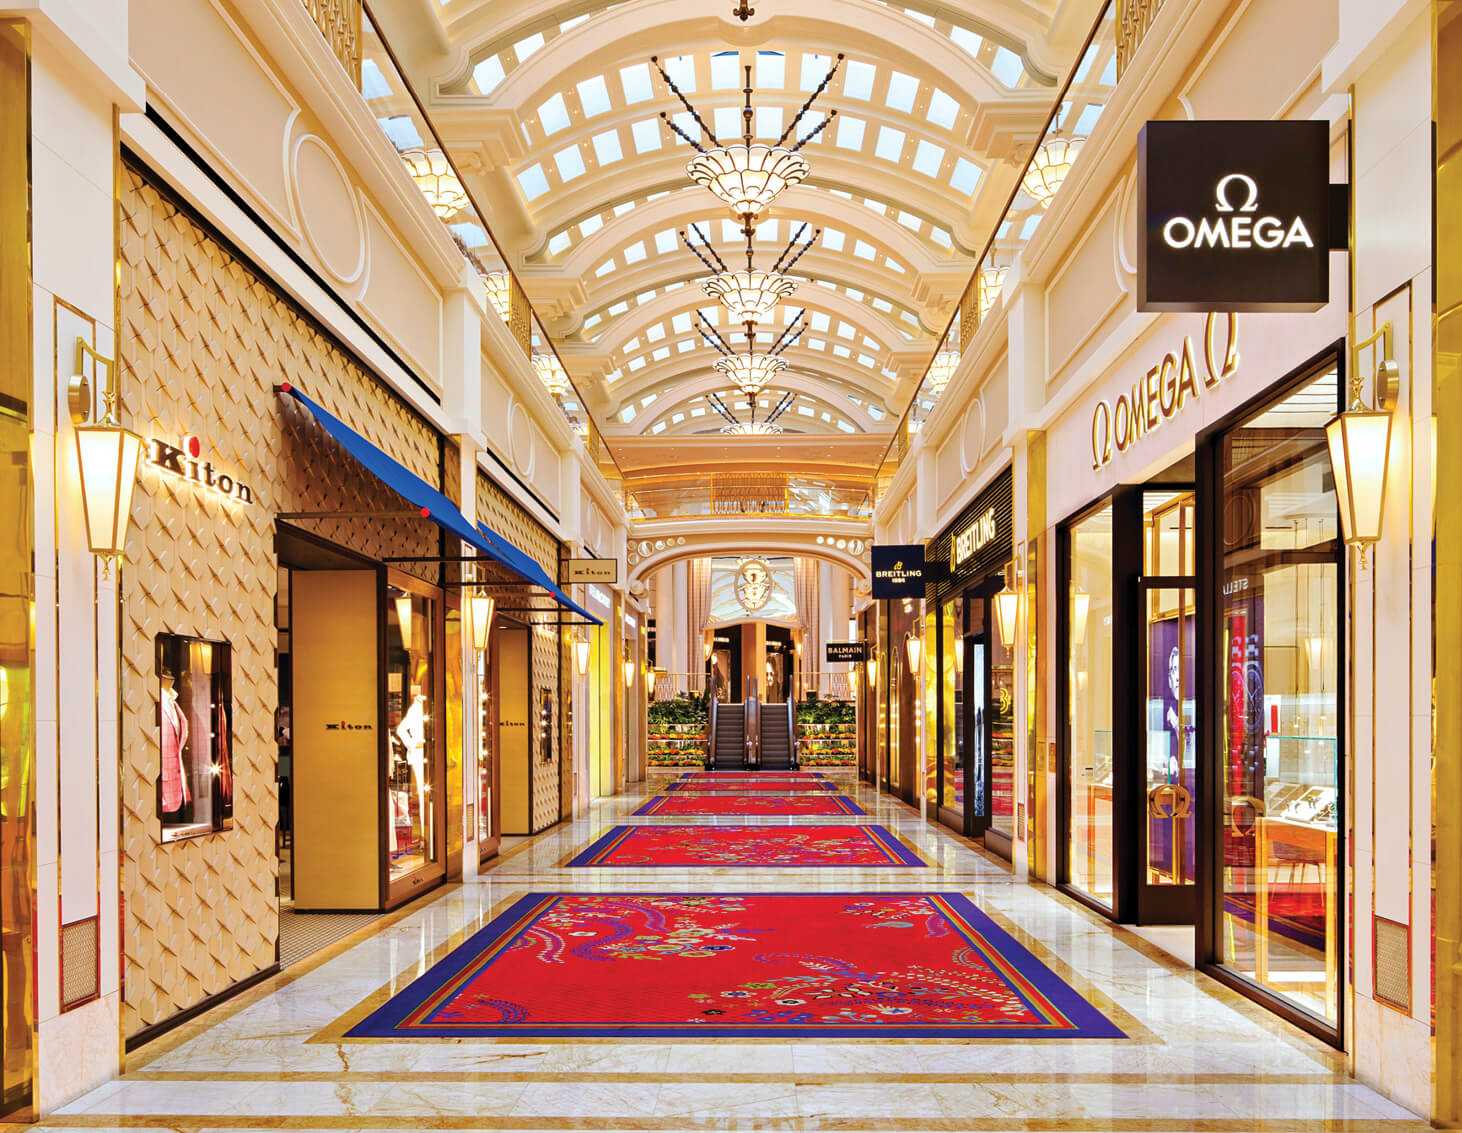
1233,216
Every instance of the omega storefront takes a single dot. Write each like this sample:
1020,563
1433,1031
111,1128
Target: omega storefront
1199,601
969,779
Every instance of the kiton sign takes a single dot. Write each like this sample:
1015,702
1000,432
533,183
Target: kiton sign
1233,216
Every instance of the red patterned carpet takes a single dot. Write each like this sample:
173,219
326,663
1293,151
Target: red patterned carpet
720,782
749,846
740,965
723,804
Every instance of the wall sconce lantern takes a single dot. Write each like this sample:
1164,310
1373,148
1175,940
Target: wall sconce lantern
108,455
629,672
873,670
1007,612
1360,447
482,607
914,647
581,655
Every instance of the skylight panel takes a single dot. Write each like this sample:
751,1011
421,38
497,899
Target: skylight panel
890,145
771,70
401,131
966,177
1028,229
665,242
644,297
594,96
570,163
909,317
814,70
858,80
854,294
621,209
943,110
635,252
806,411
821,321
680,323
833,239
845,427
865,360
637,364
941,237
646,135
928,158
488,74
883,306
570,24
814,343
1109,72
532,181
876,413
658,427
870,343
1007,66
730,231
606,147
593,321
850,132
660,354
902,90
526,47
1086,123
618,308
726,71
590,225
908,219
769,122
646,402
372,83
682,70
655,333
558,242
604,269
685,346
842,351
635,81
627,414
726,121
864,250
967,39
766,230
922,17
894,265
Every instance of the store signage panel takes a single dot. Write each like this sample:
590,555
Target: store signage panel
1233,216
846,652
978,541
591,571
1165,389
185,462
898,570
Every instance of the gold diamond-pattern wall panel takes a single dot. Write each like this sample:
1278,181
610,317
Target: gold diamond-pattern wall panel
203,344
507,517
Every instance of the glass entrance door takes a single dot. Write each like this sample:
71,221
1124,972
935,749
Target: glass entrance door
1167,738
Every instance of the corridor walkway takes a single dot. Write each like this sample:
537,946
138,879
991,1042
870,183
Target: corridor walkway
1195,1057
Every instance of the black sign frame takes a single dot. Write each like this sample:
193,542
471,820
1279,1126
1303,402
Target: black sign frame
898,570
845,652
1234,216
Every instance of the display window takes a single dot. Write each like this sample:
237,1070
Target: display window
1278,734
195,788
1088,771
411,722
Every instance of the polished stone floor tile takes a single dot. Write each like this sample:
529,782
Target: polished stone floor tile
1199,1057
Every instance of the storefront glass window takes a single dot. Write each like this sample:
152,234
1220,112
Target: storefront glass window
195,786
1280,724
951,783
411,722
1089,704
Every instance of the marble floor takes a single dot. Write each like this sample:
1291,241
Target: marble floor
1199,1056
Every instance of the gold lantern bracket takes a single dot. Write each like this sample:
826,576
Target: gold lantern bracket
1388,373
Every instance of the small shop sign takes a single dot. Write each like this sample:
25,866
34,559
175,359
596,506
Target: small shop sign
898,570
601,571
186,462
847,652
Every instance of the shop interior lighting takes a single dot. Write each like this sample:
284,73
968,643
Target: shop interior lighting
438,183
581,655
403,618
1360,446
914,647
1080,607
747,176
108,455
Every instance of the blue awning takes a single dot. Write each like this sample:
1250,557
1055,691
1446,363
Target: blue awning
434,505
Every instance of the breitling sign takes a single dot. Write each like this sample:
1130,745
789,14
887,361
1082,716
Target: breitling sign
898,570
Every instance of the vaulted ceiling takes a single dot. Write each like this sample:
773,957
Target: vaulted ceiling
551,109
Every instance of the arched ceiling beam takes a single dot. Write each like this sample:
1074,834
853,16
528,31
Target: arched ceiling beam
755,535
828,395
858,381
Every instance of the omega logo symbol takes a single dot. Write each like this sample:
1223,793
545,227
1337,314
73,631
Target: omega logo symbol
1236,228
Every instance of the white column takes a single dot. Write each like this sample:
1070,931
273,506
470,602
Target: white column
687,642
826,574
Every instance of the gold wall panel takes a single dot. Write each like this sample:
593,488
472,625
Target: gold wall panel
203,342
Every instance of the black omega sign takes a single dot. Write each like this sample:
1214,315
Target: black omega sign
1233,216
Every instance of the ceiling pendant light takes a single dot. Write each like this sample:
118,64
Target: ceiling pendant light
500,293
767,427
991,283
1049,168
750,373
752,429
749,296
437,181
551,373
749,175
941,369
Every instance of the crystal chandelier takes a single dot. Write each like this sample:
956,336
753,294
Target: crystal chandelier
752,429
551,373
438,183
941,369
748,175
750,373
749,296
500,293
1049,167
